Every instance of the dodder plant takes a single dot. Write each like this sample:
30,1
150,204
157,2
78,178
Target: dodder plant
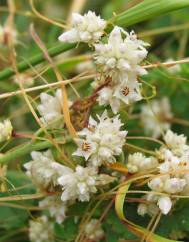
81,162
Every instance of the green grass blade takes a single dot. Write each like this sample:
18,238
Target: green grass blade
35,60
146,10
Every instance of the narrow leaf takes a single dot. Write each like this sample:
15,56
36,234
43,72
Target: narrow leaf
137,230
146,10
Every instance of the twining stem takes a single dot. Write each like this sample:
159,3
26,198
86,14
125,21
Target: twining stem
39,15
14,205
24,150
166,64
22,197
49,85
139,149
33,61
164,30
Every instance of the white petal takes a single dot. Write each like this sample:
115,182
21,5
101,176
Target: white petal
165,204
70,36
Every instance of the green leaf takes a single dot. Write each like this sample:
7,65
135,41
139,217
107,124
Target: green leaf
177,221
12,218
146,10
67,231
23,150
33,61
118,229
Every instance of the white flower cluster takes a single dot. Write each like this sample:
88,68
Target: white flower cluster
51,176
121,56
5,130
101,141
176,143
93,230
137,162
88,28
154,204
55,206
155,117
81,183
172,177
118,59
41,230
43,170
51,109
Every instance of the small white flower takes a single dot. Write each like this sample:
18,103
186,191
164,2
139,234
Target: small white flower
157,183
81,183
106,97
41,230
151,197
137,162
150,207
101,141
120,57
51,109
167,155
93,230
174,185
164,204
154,205
128,92
56,207
172,177
5,130
87,28
43,170
177,143
155,118
142,209
172,163
85,148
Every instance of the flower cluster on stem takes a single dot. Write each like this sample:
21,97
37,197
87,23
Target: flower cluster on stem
101,141
119,58
171,177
